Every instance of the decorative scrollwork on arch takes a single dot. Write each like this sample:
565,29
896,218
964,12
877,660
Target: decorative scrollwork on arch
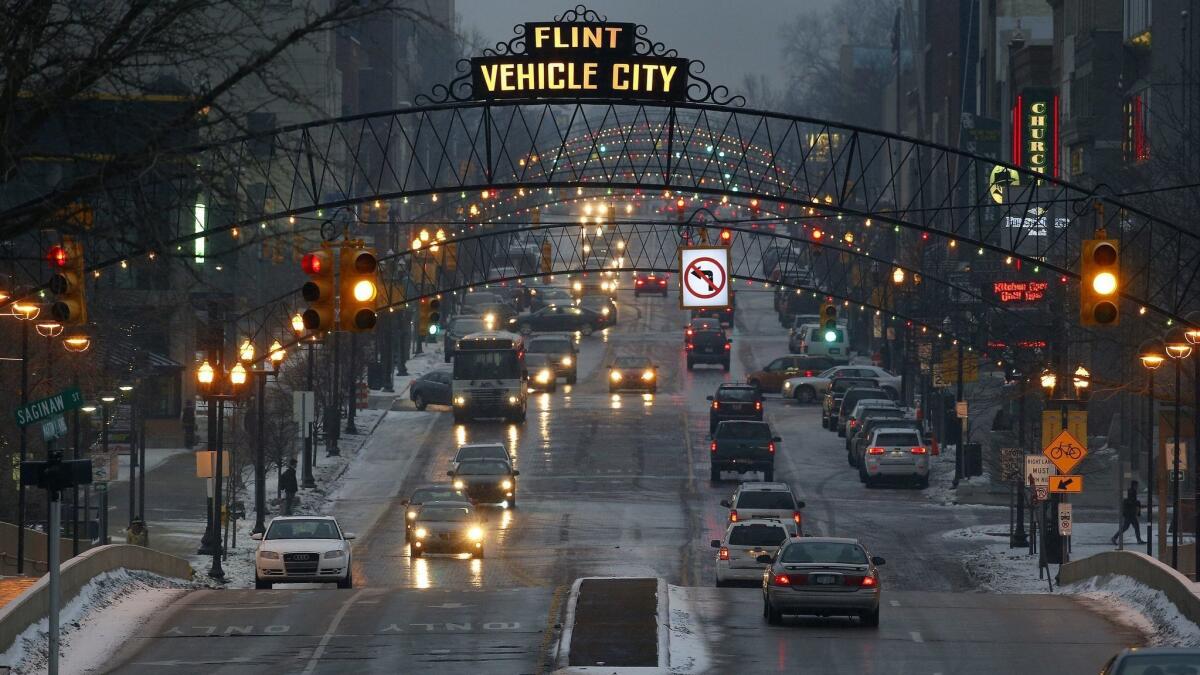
701,90
459,89
515,45
644,46
580,14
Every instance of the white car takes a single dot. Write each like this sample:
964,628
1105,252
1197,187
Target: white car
303,550
810,389
766,501
744,542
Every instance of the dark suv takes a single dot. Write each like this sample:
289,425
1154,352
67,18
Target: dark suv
705,342
742,446
734,402
834,393
851,399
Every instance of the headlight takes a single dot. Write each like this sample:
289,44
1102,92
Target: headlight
460,400
335,554
412,515
512,400
587,248
458,485
489,318
566,361
604,311
577,286
475,533
506,484
421,533
620,245
648,375
615,376
543,376
268,555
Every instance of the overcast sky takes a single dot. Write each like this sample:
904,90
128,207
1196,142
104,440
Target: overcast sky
732,37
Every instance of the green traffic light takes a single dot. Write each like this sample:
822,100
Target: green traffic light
830,336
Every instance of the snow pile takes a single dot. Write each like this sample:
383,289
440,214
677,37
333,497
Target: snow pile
1000,569
687,642
1145,609
105,615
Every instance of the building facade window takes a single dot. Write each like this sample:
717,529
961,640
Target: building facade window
1135,145
1076,161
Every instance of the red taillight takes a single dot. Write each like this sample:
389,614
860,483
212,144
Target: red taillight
771,447
662,282
875,450
808,373
723,554
712,446
689,332
688,346
918,450
728,345
716,405
869,582
796,516
758,405
733,516
853,423
640,282
781,580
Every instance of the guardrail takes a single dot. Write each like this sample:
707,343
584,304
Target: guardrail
1142,568
33,605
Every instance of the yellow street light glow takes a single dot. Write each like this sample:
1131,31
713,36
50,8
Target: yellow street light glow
1104,283
424,235
277,354
237,375
416,244
298,324
441,234
246,351
364,290
897,276
26,311
77,343
204,374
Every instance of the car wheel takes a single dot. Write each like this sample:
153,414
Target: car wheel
419,402
850,458
447,357
348,582
806,394
478,555
871,619
458,418
774,616
586,329
714,475
721,584
262,585
824,422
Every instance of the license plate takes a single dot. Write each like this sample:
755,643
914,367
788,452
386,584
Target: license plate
708,350
824,579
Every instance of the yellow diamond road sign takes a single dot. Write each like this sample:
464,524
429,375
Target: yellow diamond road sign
1065,451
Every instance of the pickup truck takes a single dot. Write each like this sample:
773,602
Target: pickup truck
742,446
705,342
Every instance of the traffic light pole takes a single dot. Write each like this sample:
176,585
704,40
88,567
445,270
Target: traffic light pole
24,447
331,430
260,461
310,439
75,441
351,393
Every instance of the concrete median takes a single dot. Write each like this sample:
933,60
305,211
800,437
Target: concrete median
1142,568
617,623
33,604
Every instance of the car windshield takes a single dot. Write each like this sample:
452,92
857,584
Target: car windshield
737,394
779,501
1160,664
893,439
483,468
467,326
631,362
481,452
307,528
543,346
486,365
756,534
425,495
824,552
751,430
830,372
446,514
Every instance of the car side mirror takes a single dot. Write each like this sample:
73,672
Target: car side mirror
876,560
725,503
777,439
450,473
764,559
715,543
349,536
257,536
800,504
708,398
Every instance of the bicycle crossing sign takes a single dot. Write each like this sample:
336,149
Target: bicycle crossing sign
1065,451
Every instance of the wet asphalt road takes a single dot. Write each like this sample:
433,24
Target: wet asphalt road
617,485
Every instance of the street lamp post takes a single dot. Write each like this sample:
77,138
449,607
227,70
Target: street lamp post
1178,347
306,474
75,344
210,386
125,390
1151,355
26,312
105,400
1192,334
276,355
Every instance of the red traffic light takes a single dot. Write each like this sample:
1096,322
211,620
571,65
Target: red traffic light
57,256
311,263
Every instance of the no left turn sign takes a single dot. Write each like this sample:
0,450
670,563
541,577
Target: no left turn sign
704,275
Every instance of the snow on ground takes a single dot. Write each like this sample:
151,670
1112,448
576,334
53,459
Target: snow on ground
1147,610
687,644
1000,569
105,614
238,564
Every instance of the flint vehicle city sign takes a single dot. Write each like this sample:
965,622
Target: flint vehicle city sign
580,60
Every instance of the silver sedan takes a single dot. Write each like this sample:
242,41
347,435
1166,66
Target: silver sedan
823,576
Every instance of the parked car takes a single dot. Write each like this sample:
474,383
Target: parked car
806,389
851,399
833,397
862,439
823,576
734,402
432,387
644,283
771,377
863,407
741,546
560,318
743,446
303,550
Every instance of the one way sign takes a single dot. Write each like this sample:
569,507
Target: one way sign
1066,483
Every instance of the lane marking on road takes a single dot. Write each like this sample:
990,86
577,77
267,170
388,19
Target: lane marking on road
233,608
329,632
916,636
894,603
549,633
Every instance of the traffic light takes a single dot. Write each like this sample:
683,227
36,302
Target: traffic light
70,305
357,288
318,291
726,237
1099,283
431,316
829,317
680,206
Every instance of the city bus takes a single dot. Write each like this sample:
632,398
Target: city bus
489,377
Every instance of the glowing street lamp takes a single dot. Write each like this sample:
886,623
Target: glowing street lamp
298,325
276,354
246,351
49,329
77,343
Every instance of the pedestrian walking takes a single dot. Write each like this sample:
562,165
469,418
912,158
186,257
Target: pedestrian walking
287,481
1130,507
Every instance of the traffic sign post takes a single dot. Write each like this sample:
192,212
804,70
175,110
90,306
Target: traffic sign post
1066,484
704,277
67,399
1064,519
1065,451
1038,470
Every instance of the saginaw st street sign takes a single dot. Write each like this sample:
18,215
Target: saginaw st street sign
580,59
